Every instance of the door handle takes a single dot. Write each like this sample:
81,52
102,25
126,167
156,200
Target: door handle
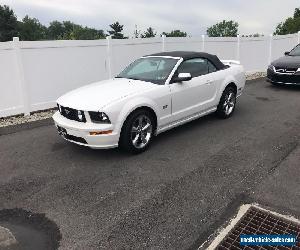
208,82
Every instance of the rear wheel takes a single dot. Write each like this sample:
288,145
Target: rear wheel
227,103
137,132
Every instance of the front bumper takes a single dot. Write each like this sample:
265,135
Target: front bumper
79,132
283,78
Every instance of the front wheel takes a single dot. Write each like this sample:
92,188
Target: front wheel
227,103
137,132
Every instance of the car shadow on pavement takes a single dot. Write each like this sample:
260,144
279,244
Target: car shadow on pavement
283,87
185,128
158,141
111,153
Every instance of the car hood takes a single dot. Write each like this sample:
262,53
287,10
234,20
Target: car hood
287,62
95,96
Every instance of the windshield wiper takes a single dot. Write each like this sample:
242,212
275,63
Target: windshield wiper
132,78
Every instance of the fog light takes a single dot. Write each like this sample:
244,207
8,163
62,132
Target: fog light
101,132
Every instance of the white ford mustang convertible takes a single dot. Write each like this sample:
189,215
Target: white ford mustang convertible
153,94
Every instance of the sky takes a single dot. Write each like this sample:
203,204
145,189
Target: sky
191,16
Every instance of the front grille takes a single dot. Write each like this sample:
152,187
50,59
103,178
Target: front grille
71,114
286,70
283,78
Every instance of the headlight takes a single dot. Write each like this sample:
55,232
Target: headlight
271,67
59,108
99,117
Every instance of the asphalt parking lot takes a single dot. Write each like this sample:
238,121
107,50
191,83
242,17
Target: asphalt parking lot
173,196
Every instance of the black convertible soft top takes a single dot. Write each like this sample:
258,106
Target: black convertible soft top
190,55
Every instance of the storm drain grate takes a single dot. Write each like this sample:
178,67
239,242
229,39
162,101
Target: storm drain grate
256,221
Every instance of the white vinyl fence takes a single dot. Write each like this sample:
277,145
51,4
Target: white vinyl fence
34,74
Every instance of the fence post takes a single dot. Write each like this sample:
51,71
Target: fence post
238,48
21,76
163,40
298,36
270,49
203,43
109,66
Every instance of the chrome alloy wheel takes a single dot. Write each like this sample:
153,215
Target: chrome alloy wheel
141,131
229,103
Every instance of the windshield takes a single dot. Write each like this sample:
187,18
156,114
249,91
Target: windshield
149,69
295,51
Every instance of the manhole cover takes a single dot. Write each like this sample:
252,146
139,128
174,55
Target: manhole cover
258,221
32,231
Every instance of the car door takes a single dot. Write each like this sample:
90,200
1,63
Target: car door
196,95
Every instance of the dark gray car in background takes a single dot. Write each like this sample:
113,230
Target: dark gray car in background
286,70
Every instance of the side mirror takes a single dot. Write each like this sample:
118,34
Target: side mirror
286,53
182,77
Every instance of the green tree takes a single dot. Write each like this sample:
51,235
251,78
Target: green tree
297,13
136,32
8,24
148,33
290,25
175,33
254,35
55,30
257,35
67,30
69,27
116,31
30,29
62,30
85,33
223,29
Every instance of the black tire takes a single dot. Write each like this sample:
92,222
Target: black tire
221,109
126,137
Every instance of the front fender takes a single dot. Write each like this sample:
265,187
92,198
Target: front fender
132,105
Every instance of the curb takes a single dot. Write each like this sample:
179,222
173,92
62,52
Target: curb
7,239
256,80
25,126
